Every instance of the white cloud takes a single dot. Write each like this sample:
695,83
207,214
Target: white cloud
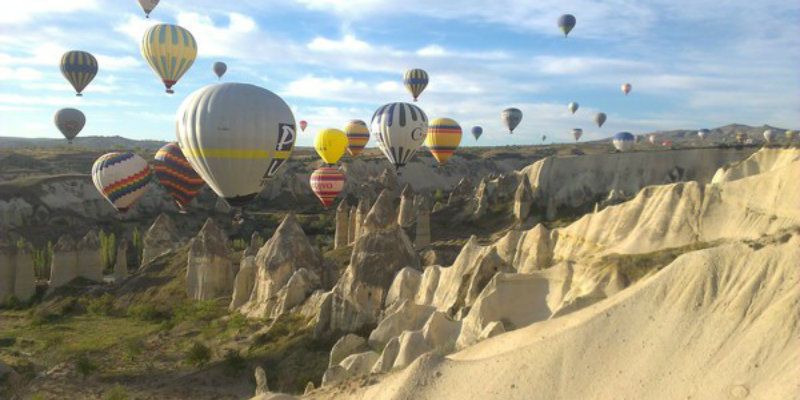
433,50
328,89
348,44
20,74
24,11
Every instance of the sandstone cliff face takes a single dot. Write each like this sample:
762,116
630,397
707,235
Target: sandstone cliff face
210,272
17,276
162,237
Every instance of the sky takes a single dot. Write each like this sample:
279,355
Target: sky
692,63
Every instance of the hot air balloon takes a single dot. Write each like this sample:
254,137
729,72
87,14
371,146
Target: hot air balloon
444,135
148,6
577,133
511,118
477,131
235,135
170,50
330,145
399,130
121,178
702,133
415,80
666,143
790,135
623,141
176,174
70,122
652,138
740,137
303,125
626,88
219,68
600,119
79,67
566,22
770,135
357,136
544,137
572,107
326,183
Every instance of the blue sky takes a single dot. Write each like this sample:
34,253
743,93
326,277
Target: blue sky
692,64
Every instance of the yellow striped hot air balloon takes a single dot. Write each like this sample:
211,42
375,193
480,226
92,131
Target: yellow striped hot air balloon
357,136
444,135
79,67
170,50
415,81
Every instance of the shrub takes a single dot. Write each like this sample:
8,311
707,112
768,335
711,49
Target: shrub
85,366
203,310
144,312
233,363
131,348
198,354
116,392
102,305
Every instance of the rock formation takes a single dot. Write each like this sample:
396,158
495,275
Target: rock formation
246,277
64,266
412,345
210,273
361,214
309,388
162,237
342,232
423,236
90,261
404,286
287,257
345,346
403,316
351,226
386,360
462,192
406,216
17,276
121,263
523,200
261,381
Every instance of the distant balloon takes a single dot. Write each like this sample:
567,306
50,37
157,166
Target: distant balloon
623,141
121,178
577,133
170,50
330,145
566,22
790,135
544,137
652,138
511,118
415,81
326,183
572,107
399,130
626,88
357,136
703,133
600,119
79,67
303,125
148,6
770,135
235,135
176,174
741,137
70,122
219,68
444,135
666,143
477,131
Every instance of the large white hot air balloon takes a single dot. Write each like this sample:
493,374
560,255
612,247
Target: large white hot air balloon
511,117
399,129
235,135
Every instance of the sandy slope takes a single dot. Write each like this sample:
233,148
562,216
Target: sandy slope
720,323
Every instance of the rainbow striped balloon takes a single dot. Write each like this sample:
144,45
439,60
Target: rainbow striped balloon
170,50
121,178
79,67
444,135
176,175
326,183
357,136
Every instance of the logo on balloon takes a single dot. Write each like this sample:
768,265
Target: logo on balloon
416,134
285,137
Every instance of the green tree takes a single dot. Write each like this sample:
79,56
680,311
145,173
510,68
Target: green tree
138,245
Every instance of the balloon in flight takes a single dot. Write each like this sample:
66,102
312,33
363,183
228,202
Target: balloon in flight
770,135
235,135
121,178
330,144
444,135
577,133
703,133
219,68
511,118
600,119
477,131
623,141
652,138
79,67
170,50
790,135
148,6
70,122
326,183
357,136
399,130
566,22
415,80
626,88
303,125
572,107
176,175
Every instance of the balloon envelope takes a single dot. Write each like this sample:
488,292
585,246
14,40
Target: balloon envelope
626,88
577,133
330,145
572,107
176,174
770,135
79,67
121,178
702,133
399,129
170,50
219,68
357,136
790,135
235,135
566,22
70,122
326,183
444,136
303,125
148,6
600,119
415,81
477,131
623,141
652,138
511,118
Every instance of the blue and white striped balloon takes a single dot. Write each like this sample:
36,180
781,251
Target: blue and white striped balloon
399,129
623,141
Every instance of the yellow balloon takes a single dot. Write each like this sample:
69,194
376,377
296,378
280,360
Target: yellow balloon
170,50
330,144
444,135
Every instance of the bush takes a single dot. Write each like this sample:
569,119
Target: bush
233,363
131,348
102,305
10,303
144,312
198,354
116,392
203,310
85,366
